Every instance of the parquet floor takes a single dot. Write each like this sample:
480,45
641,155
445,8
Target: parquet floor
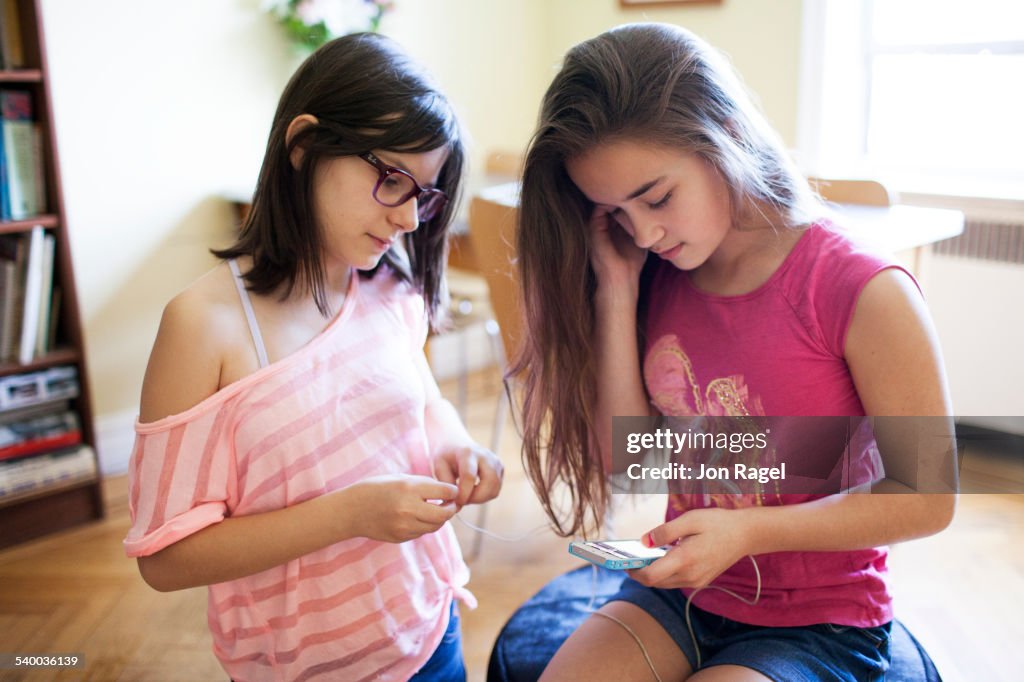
961,593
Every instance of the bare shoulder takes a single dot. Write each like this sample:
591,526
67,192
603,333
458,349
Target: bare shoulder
889,301
198,329
893,350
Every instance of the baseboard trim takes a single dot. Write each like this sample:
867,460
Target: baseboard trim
115,436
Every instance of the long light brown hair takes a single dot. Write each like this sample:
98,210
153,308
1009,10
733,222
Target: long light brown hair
650,83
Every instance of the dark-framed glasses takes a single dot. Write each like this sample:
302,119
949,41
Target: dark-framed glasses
395,187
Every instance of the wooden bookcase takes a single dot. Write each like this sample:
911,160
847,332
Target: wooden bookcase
32,514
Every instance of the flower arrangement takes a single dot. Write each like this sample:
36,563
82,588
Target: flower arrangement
311,23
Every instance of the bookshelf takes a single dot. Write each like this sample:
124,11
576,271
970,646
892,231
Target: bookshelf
66,495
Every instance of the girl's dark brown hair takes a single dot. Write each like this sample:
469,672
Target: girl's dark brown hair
366,94
652,84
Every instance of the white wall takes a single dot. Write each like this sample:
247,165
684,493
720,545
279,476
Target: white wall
762,39
978,309
161,109
490,59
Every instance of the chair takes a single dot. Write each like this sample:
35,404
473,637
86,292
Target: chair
492,224
503,163
469,308
873,195
843,191
537,629
492,220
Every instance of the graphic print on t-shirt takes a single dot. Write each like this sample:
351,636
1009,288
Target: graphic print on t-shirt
675,391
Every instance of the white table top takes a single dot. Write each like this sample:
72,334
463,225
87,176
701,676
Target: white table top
899,227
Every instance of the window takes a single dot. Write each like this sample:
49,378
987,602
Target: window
927,95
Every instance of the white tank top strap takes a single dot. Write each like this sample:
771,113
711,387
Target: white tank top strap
254,327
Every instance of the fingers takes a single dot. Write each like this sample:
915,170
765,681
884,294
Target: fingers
467,460
490,475
445,471
660,572
430,489
600,214
433,516
476,472
603,222
667,533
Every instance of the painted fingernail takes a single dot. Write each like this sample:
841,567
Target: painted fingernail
648,540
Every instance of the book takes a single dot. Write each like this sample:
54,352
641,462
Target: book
13,48
55,300
39,181
33,291
8,281
45,292
21,152
5,195
13,255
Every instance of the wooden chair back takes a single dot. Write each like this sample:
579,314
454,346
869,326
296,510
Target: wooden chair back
504,163
845,191
492,228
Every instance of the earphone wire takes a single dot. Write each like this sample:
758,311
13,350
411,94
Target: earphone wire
750,602
686,613
496,536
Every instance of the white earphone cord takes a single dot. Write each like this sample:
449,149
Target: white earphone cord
478,529
689,624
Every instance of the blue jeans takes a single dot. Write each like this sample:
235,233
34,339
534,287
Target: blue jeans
838,653
446,664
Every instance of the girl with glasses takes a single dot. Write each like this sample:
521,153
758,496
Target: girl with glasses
674,263
293,451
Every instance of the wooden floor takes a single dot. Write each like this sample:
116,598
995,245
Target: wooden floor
961,592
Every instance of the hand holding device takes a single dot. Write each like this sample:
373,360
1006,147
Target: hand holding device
616,554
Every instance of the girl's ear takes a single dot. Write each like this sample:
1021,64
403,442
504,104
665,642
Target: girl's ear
298,124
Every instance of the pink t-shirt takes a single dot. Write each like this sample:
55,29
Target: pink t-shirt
776,351
347,406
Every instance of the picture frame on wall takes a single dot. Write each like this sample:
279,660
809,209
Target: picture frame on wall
627,4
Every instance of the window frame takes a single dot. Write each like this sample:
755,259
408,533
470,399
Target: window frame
837,51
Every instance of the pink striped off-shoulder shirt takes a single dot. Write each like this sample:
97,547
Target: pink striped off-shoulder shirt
348,405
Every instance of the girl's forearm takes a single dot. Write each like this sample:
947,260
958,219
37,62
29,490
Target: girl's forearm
242,546
620,388
847,522
444,427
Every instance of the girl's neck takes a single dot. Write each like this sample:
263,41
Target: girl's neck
336,283
337,277
747,257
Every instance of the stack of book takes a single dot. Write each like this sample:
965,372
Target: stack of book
23,477
29,303
40,434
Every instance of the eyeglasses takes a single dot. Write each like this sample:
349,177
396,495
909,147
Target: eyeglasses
395,187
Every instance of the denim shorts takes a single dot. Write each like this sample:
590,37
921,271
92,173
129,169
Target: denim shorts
446,664
813,652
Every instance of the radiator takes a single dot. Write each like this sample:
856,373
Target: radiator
986,240
974,284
